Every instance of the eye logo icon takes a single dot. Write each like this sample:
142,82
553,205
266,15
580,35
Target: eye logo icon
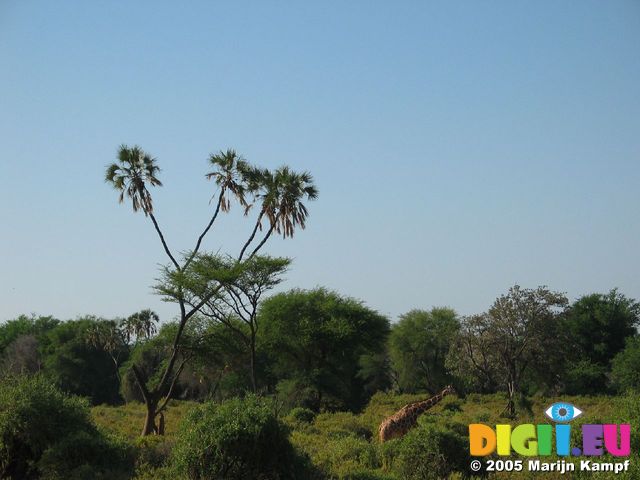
562,412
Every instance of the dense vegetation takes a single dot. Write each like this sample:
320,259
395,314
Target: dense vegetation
307,374
327,369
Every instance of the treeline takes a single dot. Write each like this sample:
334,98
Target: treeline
327,352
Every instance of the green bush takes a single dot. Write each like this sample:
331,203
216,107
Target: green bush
152,451
47,434
452,404
431,451
343,457
625,374
585,377
238,439
302,415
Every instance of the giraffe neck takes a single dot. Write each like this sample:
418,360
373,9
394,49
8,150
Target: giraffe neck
425,405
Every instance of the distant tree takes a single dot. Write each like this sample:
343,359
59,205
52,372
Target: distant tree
519,333
279,196
625,372
596,326
418,347
76,366
22,356
316,340
107,336
24,325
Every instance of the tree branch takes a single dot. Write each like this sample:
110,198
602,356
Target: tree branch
202,235
164,243
252,236
173,383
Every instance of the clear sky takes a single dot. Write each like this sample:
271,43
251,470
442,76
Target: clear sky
459,147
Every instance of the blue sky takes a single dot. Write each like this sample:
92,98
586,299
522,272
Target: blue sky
459,147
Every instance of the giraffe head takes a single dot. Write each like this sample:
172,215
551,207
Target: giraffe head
448,390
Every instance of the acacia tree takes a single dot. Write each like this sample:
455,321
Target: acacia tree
517,334
279,197
232,292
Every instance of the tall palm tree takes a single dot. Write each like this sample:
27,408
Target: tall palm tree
292,189
140,325
234,176
133,172
230,174
281,194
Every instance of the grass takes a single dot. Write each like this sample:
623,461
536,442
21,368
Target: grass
344,445
127,420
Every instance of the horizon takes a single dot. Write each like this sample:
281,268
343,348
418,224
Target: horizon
458,149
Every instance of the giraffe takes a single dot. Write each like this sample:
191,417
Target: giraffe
406,418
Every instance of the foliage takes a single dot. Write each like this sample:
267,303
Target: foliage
76,366
625,372
584,377
518,337
227,292
418,347
20,343
24,325
239,439
124,420
22,356
315,340
597,326
431,451
278,195
47,434
344,445
302,415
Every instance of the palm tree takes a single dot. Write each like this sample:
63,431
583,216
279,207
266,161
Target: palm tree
130,176
140,325
281,195
107,336
233,175
230,174
132,173
292,189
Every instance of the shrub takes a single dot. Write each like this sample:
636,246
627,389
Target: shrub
302,415
238,439
431,451
585,377
341,424
47,434
152,451
452,404
624,372
344,457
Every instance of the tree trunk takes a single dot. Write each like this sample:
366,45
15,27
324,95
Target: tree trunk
253,362
511,405
149,427
161,424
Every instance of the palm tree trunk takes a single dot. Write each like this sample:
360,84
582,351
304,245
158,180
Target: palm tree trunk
264,240
164,243
252,236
